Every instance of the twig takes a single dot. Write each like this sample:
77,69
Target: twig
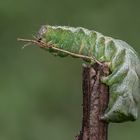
46,45
95,101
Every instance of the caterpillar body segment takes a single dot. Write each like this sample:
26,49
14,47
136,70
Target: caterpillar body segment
123,61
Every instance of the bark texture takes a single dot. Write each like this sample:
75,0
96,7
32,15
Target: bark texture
95,102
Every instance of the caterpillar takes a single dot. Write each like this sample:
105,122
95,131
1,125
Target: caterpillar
121,58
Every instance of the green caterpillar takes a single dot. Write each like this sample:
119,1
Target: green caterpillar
123,61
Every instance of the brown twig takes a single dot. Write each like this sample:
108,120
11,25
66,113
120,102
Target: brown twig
47,45
95,101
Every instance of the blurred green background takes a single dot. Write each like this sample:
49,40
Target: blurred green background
40,95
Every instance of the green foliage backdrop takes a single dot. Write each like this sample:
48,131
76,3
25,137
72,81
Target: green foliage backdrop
40,95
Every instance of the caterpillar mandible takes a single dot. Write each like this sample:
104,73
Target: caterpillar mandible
122,59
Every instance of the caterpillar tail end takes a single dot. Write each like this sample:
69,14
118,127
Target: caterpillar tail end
117,117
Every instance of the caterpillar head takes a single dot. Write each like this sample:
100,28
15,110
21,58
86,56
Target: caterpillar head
41,33
56,36
59,36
